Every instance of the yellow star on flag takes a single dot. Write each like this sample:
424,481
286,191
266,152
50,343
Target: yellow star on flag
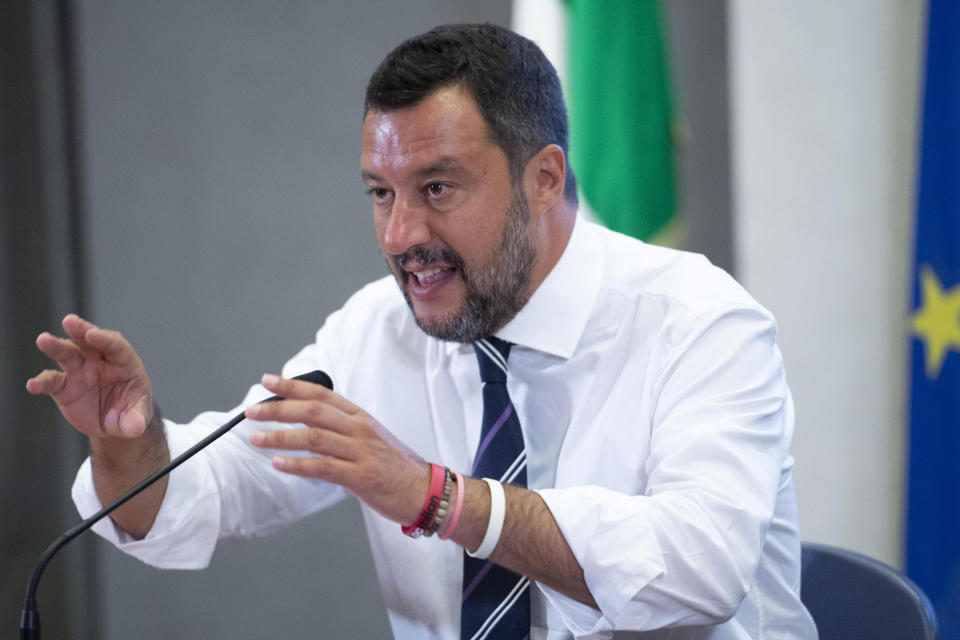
937,321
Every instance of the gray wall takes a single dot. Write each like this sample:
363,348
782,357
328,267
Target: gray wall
224,218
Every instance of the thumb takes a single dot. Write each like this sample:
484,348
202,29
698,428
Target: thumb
133,423
130,424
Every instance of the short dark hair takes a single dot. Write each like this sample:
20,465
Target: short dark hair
516,88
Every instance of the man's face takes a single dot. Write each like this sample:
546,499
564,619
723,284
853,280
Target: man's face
451,225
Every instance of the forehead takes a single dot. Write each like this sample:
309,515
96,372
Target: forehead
445,124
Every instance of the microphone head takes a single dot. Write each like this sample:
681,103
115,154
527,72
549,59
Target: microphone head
316,377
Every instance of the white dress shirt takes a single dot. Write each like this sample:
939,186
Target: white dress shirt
657,422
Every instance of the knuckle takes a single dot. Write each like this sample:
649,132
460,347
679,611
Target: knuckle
367,475
320,468
362,425
315,412
315,439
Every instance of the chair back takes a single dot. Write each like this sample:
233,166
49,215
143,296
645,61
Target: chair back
853,596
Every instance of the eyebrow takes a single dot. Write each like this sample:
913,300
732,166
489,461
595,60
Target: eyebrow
445,163
442,165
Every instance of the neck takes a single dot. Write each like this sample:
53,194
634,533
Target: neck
554,230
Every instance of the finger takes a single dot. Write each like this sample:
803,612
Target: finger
112,344
319,441
76,327
47,381
132,423
329,469
301,389
126,423
315,413
64,352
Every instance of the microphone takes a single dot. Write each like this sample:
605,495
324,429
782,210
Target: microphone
29,615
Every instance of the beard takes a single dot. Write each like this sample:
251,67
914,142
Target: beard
495,290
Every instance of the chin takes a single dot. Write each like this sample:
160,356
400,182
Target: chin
435,323
450,327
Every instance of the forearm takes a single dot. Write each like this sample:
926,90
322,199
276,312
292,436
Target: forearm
118,464
531,543
353,450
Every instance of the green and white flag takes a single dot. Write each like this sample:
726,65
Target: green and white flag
611,58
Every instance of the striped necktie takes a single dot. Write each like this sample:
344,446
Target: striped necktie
496,601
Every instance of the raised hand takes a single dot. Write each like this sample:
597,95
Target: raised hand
350,447
102,387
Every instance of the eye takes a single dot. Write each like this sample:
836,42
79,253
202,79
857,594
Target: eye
379,194
437,189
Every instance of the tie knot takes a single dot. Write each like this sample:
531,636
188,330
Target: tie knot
492,354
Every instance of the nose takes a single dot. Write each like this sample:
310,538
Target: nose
407,226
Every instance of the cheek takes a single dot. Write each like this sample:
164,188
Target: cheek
480,232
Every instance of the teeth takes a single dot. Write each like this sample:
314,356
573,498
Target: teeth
423,275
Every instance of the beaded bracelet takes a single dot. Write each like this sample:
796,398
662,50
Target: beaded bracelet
451,527
430,505
444,508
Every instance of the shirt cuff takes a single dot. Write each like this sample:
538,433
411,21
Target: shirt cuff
185,532
617,549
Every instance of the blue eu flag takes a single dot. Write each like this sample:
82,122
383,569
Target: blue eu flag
933,518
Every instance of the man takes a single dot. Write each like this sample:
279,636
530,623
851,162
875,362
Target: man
630,410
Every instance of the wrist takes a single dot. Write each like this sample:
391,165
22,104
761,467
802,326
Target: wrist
447,528
497,514
422,524
475,514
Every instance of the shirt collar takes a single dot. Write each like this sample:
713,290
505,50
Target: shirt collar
556,314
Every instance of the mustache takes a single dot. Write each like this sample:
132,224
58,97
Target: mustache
423,255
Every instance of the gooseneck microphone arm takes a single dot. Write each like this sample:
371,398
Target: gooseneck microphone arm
30,616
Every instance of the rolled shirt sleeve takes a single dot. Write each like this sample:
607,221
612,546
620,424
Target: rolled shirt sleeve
228,490
685,551
186,529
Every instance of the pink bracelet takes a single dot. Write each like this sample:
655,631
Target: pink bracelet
456,511
430,505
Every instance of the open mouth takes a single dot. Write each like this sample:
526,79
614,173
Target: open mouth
425,282
426,271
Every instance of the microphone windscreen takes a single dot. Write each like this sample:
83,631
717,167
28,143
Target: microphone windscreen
316,377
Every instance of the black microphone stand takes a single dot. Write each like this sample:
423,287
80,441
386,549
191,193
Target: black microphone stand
29,615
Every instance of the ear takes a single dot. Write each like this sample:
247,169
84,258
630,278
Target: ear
544,178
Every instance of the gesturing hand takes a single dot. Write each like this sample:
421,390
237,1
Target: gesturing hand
102,387
352,449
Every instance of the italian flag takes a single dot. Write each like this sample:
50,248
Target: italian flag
611,58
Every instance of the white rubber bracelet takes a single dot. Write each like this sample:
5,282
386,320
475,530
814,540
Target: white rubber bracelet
498,509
